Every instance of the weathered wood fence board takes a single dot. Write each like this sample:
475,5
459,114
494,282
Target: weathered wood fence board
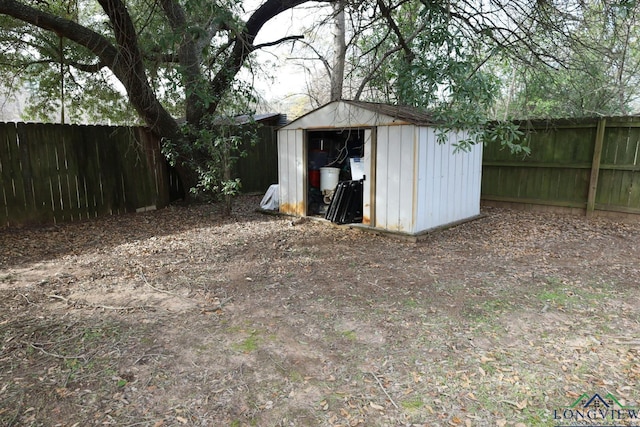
566,162
54,173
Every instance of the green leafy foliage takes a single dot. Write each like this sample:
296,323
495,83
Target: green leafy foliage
212,147
211,150
508,135
596,73
441,71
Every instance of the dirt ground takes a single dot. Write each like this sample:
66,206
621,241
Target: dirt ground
180,317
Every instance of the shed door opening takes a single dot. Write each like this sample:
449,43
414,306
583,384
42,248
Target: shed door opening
335,156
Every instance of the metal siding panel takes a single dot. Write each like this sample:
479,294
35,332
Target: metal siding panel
469,180
428,217
422,191
469,192
448,191
290,172
300,173
406,175
470,171
477,179
392,177
442,182
368,182
382,183
436,177
283,166
458,190
287,190
452,191
432,195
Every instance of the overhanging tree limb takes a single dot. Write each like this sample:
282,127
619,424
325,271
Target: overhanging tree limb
243,46
80,34
277,42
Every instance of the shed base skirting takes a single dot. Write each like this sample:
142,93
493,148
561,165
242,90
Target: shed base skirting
409,237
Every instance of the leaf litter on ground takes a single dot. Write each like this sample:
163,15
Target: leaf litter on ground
183,317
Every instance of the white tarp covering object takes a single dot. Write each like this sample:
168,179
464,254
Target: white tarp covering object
271,201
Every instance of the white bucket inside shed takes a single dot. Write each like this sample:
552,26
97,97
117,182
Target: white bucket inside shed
329,178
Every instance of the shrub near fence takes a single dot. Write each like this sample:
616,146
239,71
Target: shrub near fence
590,164
56,173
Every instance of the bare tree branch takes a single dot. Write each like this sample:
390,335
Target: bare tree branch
277,42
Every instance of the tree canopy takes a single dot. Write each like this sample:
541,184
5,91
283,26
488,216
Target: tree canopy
501,58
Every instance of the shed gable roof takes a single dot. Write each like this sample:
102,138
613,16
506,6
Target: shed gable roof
340,114
402,112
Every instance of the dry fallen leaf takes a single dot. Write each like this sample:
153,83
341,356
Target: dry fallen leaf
376,406
522,405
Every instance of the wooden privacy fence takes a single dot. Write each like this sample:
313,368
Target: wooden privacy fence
56,173
259,168
591,164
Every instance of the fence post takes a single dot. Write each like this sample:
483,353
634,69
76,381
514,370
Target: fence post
595,167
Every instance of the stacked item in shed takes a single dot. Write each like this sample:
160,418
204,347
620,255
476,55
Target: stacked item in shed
346,204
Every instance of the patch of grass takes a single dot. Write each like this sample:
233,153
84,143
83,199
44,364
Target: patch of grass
413,404
249,344
296,377
557,296
535,417
488,368
410,303
496,305
350,335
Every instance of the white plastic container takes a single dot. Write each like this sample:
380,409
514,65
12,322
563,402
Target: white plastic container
329,178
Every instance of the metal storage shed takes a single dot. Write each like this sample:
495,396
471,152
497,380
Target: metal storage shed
412,184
